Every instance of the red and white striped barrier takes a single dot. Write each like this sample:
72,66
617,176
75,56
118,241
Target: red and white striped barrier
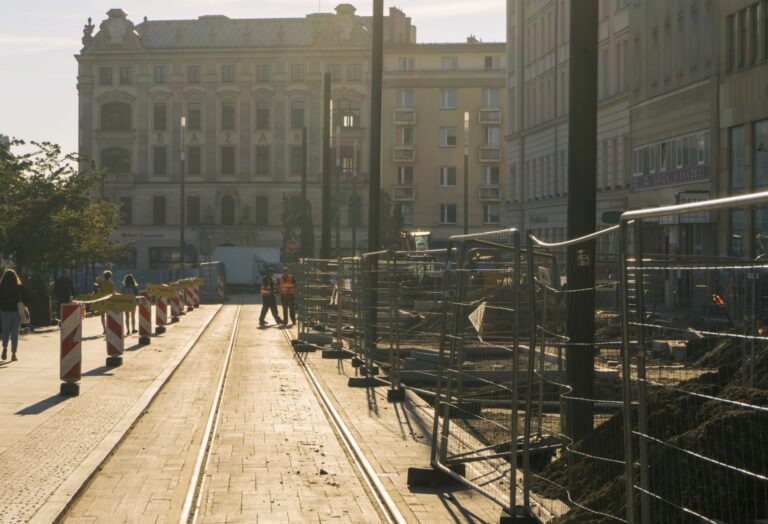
161,315
180,295
196,296
115,343
145,320
175,308
71,357
220,287
189,299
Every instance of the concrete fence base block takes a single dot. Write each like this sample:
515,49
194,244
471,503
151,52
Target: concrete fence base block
174,320
433,478
522,515
337,354
159,330
357,362
396,395
319,339
299,346
144,341
113,362
373,370
69,389
364,382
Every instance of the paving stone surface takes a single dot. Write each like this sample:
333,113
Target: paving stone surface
44,437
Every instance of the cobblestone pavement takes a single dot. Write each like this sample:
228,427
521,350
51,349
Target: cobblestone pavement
275,457
46,440
146,478
394,437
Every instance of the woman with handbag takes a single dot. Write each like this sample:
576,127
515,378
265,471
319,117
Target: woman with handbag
13,310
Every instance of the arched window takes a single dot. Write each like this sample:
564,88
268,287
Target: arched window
116,116
116,160
227,211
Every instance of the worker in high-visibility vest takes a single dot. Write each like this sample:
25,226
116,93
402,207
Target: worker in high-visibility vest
268,300
286,284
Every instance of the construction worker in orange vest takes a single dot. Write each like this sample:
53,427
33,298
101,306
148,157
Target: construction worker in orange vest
287,287
268,300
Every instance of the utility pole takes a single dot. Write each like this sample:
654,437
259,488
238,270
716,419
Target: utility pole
338,199
355,203
182,188
582,166
304,163
466,172
325,237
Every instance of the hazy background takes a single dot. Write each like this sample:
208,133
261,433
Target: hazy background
38,38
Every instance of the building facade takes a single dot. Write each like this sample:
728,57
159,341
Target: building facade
537,134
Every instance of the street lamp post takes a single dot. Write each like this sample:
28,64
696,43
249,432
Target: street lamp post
466,172
183,126
355,203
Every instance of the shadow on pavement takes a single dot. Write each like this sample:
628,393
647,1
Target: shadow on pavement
99,372
39,407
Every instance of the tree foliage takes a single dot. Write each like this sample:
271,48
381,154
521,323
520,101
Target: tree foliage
51,215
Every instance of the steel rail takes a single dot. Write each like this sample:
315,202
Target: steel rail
192,501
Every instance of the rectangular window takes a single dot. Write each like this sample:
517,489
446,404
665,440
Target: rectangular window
262,211
492,136
491,97
160,160
447,213
262,115
194,160
126,75
447,137
407,63
742,39
297,114
262,160
158,211
447,176
405,136
491,175
335,72
193,210
491,214
736,158
406,213
405,175
126,211
297,72
228,115
194,116
263,73
105,76
297,160
730,43
227,160
492,63
228,73
754,36
450,63
406,98
760,140
194,74
355,72
448,98
160,117
160,74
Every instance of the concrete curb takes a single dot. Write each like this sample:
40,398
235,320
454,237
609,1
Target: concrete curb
60,500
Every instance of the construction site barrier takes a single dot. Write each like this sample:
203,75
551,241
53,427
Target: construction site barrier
71,349
161,314
145,320
115,340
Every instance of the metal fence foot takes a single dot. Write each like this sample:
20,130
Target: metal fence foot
396,395
432,477
357,362
299,346
522,515
372,370
337,354
363,382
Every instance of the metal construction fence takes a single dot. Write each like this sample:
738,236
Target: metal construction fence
675,409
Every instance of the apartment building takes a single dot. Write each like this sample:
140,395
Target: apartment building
537,132
443,102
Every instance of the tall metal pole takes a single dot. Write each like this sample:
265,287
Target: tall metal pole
304,204
582,165
325,236
355,203
183,125
337,199
466,172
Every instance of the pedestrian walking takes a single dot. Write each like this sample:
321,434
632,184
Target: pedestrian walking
105,286
130,287
268,300
13,310
286,284
63,290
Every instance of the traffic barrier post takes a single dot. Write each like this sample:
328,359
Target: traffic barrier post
196,296
189,299
181,301
161,315
145,320
71,349
115,342
175,308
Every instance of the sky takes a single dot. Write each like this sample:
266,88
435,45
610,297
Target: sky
38,38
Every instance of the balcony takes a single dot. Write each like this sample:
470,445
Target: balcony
405,116
404,193
489,154
489,193
489,116
404,154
